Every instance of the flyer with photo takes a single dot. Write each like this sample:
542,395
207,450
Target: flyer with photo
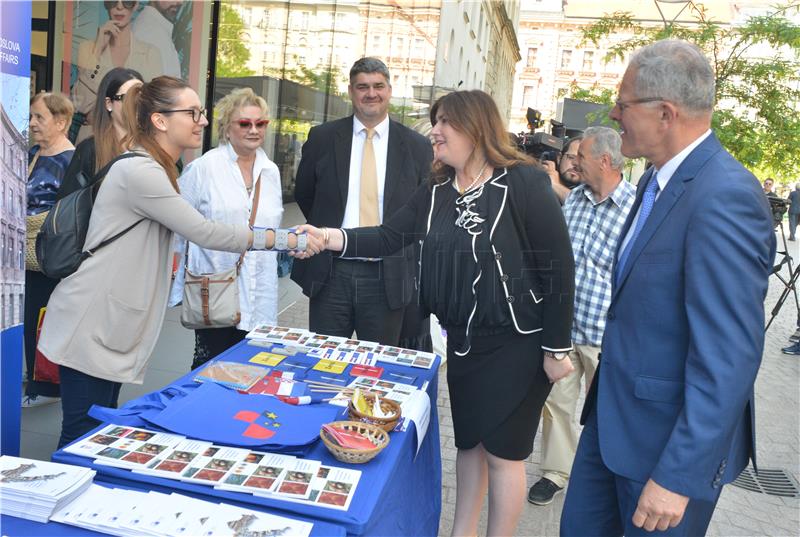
262,475
213,465
125,447
332,488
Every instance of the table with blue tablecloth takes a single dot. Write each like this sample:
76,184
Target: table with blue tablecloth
399,492
20,527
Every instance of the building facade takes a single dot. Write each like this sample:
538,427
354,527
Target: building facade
14,147
555,56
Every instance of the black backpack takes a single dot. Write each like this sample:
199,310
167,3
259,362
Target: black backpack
59,244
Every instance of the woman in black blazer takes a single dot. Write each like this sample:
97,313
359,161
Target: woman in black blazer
496,268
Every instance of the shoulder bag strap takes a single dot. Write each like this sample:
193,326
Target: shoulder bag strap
253,212
32,165
98,177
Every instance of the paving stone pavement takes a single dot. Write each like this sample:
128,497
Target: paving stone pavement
739,513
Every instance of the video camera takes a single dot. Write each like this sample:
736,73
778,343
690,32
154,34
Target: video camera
542,145
778,206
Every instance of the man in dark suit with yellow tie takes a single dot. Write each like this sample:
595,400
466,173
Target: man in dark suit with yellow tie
355,172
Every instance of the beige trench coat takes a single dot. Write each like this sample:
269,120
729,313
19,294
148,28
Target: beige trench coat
104,319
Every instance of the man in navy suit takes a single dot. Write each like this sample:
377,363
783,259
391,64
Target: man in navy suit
670,417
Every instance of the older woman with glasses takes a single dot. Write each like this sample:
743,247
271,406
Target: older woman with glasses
50,117
114,46
222,184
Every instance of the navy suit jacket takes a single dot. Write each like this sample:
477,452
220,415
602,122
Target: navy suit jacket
685,331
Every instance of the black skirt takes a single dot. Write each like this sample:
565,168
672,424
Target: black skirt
497,392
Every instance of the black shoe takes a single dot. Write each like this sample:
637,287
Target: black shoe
791,349
543,491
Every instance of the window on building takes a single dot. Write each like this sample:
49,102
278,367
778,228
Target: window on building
304,18
21,253
532,51
566,59
401,46
4,248
527,96
418,46
376,42
588,61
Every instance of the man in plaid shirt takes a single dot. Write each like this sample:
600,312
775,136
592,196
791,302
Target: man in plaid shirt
595,212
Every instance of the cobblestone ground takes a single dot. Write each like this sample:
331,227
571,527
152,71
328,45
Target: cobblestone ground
739,512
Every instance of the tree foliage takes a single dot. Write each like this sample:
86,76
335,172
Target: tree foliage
232,53
758,95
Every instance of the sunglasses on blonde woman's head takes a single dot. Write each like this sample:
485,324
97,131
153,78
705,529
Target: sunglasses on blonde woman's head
111,5
248,124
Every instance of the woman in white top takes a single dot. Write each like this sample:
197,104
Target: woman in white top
221,186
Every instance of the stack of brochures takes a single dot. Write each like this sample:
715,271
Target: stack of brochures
35,489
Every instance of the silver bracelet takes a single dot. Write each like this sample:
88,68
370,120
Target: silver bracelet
281,240
259,238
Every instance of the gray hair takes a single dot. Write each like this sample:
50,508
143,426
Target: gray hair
606,142
369,65
676,71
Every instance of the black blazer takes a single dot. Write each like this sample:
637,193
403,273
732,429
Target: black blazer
530,243
321,192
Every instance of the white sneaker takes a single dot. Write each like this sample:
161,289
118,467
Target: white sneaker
30,401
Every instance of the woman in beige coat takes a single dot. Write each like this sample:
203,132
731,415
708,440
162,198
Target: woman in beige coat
102,322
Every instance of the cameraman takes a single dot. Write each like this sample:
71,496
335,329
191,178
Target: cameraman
565,177
769,188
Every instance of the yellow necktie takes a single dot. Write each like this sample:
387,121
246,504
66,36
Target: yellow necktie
368,197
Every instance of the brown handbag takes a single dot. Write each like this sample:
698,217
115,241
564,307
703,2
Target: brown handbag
212,300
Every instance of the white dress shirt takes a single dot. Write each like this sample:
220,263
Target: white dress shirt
154,28
380,142
213,184
663,175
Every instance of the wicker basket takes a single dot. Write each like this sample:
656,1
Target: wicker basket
376,435
388,406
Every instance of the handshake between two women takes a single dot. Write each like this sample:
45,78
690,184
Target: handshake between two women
305,240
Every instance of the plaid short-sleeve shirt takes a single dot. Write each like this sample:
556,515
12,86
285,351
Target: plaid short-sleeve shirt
594,229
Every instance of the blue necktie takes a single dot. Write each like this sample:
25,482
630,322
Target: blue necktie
648,200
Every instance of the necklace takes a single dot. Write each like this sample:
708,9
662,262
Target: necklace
461,191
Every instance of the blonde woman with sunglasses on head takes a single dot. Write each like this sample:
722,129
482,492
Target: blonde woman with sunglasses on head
222,185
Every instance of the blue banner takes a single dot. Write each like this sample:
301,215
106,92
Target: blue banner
15,71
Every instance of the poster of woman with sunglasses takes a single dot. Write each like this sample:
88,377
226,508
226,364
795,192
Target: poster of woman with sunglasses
149,37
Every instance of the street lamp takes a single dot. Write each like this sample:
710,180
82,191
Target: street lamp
686,3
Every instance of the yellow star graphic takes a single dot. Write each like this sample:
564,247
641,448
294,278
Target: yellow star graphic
276,424
271,415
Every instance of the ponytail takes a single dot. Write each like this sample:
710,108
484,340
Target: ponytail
140,103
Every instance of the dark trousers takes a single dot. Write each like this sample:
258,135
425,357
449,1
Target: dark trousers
79,392
38,289
209,342
354,298
600,502
793,220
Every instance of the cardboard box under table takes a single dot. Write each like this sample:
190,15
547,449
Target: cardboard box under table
399,492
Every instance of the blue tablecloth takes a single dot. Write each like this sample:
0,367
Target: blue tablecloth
398,494
20,527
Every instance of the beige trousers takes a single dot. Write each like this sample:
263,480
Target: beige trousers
559,436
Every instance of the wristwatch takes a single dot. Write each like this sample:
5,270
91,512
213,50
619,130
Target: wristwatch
557,356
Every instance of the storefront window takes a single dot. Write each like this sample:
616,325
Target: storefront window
297,55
